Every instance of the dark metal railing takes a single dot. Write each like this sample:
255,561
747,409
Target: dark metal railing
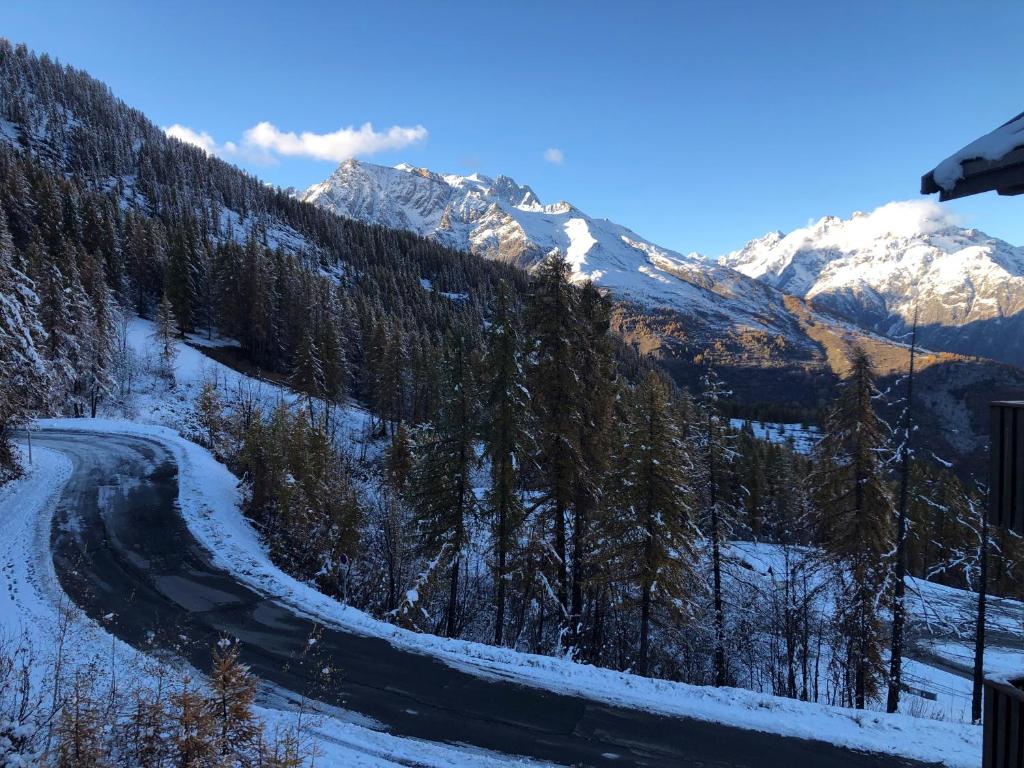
1004,736
1003,717
1006,475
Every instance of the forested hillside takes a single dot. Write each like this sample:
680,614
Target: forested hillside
104,212
529,481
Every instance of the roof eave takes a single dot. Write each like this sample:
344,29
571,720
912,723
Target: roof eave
1005,176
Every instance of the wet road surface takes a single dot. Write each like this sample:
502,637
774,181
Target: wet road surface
121,547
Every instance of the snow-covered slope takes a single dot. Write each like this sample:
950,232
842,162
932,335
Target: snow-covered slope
875,268
498,218
495,218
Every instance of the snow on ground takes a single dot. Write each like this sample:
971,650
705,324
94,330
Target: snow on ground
940,656
30,597
208,497
154,401
936,693
32,605
956,608
803,438
209,500
1000,662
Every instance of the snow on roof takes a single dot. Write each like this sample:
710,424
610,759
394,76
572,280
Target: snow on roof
992,146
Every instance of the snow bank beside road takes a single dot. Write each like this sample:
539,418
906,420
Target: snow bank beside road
209,499
33,607
30,596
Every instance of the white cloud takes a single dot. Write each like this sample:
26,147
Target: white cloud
343,144
554,155
201,139
264,142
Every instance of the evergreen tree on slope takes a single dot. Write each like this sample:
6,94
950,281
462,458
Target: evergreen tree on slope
442,489
855,528
23,370
598,389
506,442
658,540
553,323
714,453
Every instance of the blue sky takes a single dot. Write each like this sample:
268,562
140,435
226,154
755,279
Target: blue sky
699,125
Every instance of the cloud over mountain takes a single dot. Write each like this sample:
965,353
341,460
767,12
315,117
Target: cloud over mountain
265,142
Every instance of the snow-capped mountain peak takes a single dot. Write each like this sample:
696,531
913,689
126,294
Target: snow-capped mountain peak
873,269
876,268
498,218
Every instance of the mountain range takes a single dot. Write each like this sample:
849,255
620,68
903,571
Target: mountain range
775,350
499,219
778,317
877,269
871,270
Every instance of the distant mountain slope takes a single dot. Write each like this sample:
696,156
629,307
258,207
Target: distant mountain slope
86,179
494,218
874,269
501,220
164,204
737,312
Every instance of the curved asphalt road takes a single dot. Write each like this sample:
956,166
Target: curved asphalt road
133,557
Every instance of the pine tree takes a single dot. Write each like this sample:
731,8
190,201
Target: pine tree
23,370
148,729
553,323
98,380
285,751
598,389
195,729
80,738
715,454
339,512
442,487
308,372
210,409
399,459
232,692
899,577
62,349
181,279
656,500
855,529
332,350
165,338
80,732
506,442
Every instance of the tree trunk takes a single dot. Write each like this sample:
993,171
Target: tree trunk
499,592
790,630
576,605
898,607
716,557
563,572
451,625
979,626
645,626
861,673
597,630
716,564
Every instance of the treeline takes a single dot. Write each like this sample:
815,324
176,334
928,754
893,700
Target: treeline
553,505
83,716
540,487
102,216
